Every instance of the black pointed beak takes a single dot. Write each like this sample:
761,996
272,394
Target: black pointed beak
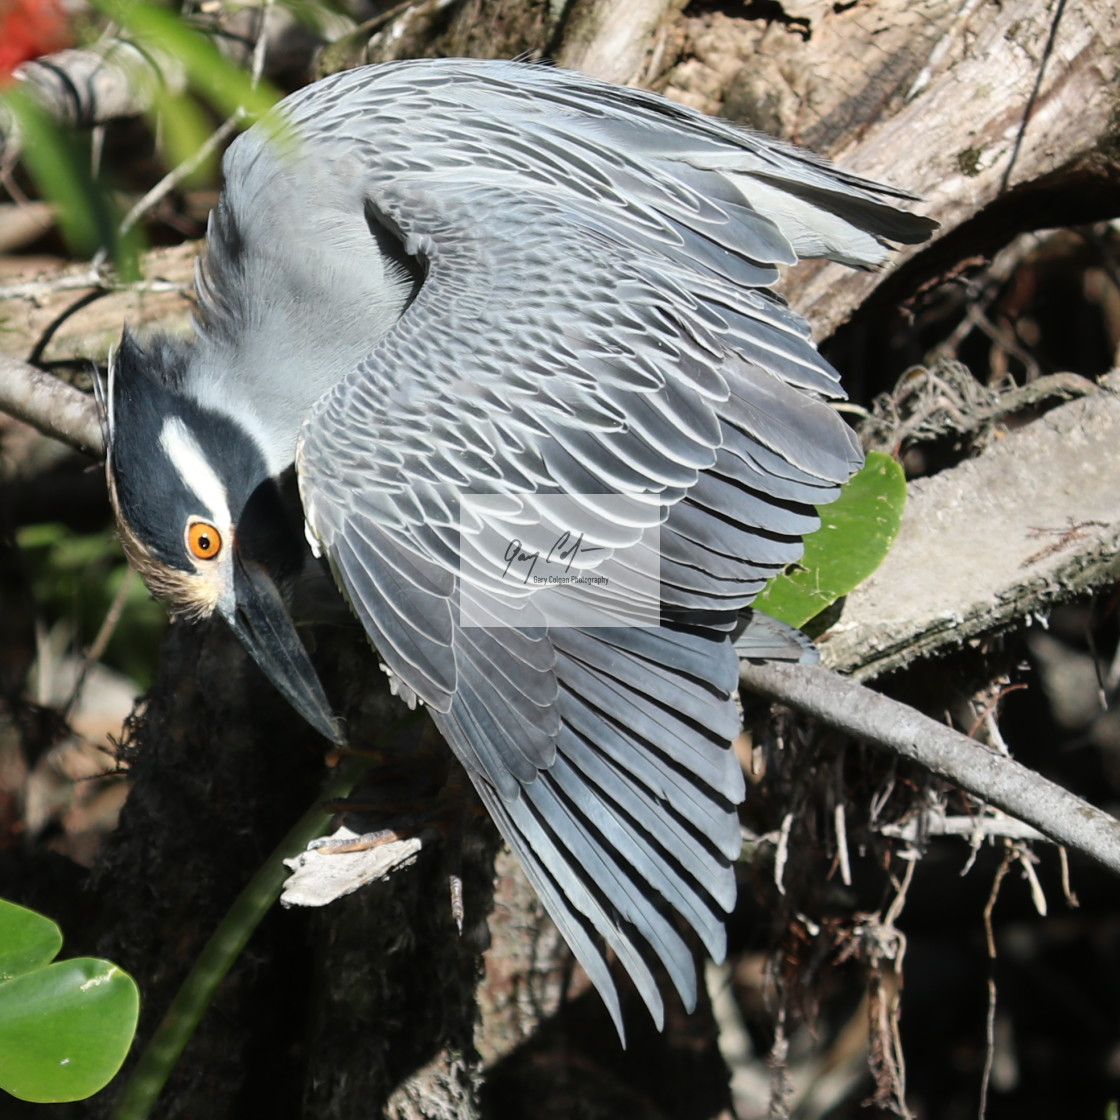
261,621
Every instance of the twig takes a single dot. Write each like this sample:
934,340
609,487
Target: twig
1028,110
781,1087
55,408
1027,861
782,853
1067,536
989,1048
173,178
51,329
101,640
972,828
886,723
990,1021
38,289
990,705
841,829
884,946
1072,900
894,911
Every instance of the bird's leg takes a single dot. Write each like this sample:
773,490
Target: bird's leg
394,797
402,800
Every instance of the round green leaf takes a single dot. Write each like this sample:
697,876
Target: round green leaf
857,531
65,1029
27,940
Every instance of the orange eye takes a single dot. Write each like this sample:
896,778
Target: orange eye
204,541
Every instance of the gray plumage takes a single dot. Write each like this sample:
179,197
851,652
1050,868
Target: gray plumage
456,277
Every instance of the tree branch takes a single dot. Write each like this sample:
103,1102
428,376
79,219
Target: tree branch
981,827
1000,126
994,778
33,302
58,410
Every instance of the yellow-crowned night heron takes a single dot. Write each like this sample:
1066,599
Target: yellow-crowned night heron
454,294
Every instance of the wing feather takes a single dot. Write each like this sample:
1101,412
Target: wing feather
592,320
375,593
645,834
576,909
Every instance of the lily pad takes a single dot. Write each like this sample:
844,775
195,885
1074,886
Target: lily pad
27,940
65,1028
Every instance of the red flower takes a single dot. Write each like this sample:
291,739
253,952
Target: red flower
29,28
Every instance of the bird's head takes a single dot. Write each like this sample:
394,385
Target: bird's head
199,515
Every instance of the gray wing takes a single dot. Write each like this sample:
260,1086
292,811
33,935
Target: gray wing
593,320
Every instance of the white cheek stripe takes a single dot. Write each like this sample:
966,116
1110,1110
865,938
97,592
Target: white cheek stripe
196,471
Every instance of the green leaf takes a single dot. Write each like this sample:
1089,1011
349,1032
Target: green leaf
27,940
211,74
60,167
65,1029
857,531
183,129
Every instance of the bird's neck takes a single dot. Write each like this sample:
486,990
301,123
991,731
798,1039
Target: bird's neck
290,317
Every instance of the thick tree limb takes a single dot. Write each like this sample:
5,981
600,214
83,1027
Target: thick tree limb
1007,101
611,41
92,85
1030,522
973,107
994,778
899,121
33,303
55,408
